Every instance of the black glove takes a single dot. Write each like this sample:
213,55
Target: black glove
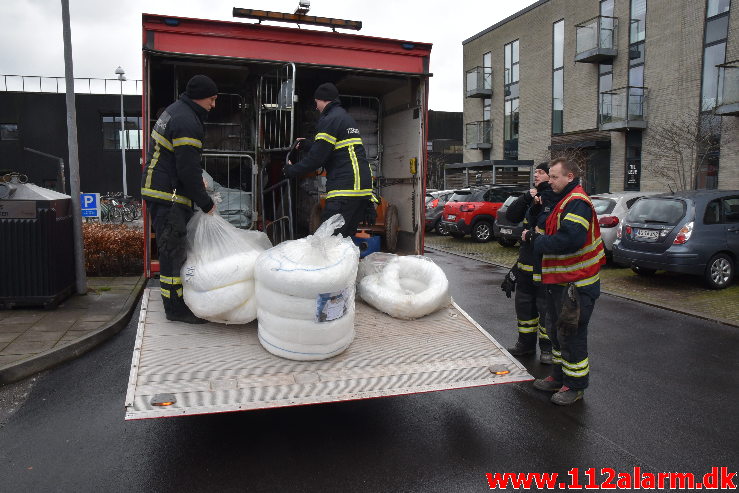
530,235
569,316
509,283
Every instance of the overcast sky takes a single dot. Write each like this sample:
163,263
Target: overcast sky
106,34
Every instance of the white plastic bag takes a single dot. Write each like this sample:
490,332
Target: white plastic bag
404,287
218,275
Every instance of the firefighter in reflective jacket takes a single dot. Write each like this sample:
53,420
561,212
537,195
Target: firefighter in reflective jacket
338,148
532,208
172,183
572,253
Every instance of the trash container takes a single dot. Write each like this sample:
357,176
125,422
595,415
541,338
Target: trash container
36,247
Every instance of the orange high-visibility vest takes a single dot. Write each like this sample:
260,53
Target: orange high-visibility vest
583,266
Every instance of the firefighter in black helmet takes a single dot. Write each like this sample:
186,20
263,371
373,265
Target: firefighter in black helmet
338,148
172,183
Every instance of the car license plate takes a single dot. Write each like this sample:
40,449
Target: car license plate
506,231
646,234
451,217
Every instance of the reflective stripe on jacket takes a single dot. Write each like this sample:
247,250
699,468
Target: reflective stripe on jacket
581,266
338,148
173,172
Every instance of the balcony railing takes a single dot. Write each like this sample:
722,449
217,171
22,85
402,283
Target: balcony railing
728,89
86,85
623,108
479,82
596,40
479,135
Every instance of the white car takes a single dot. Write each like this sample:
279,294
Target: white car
611,209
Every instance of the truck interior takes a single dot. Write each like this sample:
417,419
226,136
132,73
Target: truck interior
263,107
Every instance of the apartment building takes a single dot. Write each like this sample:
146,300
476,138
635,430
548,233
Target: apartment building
640,90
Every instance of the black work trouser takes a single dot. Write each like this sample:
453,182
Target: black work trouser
353,209
531,312
571,365
170,227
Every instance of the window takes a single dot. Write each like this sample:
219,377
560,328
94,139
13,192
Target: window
558,44
8,131
486,109
511,62
731,210
638,21
712,56
717,29
717,7
510,120
713,213
112,132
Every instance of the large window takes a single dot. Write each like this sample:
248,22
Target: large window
8,131
605,73
510,121
486,109
558,45
112,132
638,21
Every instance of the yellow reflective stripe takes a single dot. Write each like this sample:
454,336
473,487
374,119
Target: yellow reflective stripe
543,333
187,141
355,167
529,322
573,267
156,194
179,292
576,366
527,268
165,292
375,199
328,138
588,281
571,373
162,140
170,280
537,277
527,330
152,164
349,193
577,219
580,252
347,142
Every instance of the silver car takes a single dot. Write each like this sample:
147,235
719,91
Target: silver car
612,209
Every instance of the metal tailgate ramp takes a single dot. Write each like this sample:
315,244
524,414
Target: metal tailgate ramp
181,369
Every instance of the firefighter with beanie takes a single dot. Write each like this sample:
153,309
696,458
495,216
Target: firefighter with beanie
338,148
531,208
572,254
172,184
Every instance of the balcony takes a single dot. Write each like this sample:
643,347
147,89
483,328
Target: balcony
479,135
727,103
623,109
479,82
596,40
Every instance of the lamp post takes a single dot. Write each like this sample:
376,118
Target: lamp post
121,77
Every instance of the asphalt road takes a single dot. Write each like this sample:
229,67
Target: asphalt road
663,396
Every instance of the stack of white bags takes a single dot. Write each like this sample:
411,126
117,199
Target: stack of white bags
218,275
305,295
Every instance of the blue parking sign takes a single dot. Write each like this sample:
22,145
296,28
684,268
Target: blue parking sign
90,204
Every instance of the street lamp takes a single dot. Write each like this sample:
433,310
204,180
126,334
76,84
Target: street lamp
121,77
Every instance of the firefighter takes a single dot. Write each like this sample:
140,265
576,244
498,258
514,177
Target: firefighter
572,253
172,183
532,208
338,148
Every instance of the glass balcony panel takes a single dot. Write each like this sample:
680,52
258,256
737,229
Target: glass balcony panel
728,89
623,108
596,40
478,135
479,82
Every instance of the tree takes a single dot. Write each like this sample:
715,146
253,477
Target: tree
684,148
573,154
436,166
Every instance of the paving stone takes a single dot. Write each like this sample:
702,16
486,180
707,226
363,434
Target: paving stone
40,336
28,347
85,326
8,337
12,358
22,317
53,324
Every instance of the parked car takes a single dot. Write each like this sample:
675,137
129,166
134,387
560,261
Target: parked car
507,232
472,212
611,209
693,232
434,209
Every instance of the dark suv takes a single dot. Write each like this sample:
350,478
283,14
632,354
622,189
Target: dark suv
472,212
694,232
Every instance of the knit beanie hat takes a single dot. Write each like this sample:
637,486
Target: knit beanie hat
544,167
326,92
201,87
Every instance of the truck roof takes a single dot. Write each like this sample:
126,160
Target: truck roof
203,37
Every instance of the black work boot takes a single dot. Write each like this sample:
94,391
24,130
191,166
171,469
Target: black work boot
177,311
566,396
548,384
521,350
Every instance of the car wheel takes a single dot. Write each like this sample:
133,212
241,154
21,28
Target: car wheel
507,242
643,271
482,232
441,229
719,271
457,235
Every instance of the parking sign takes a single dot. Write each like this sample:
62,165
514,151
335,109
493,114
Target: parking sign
90,204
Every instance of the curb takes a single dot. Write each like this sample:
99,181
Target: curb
603,291
14,372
